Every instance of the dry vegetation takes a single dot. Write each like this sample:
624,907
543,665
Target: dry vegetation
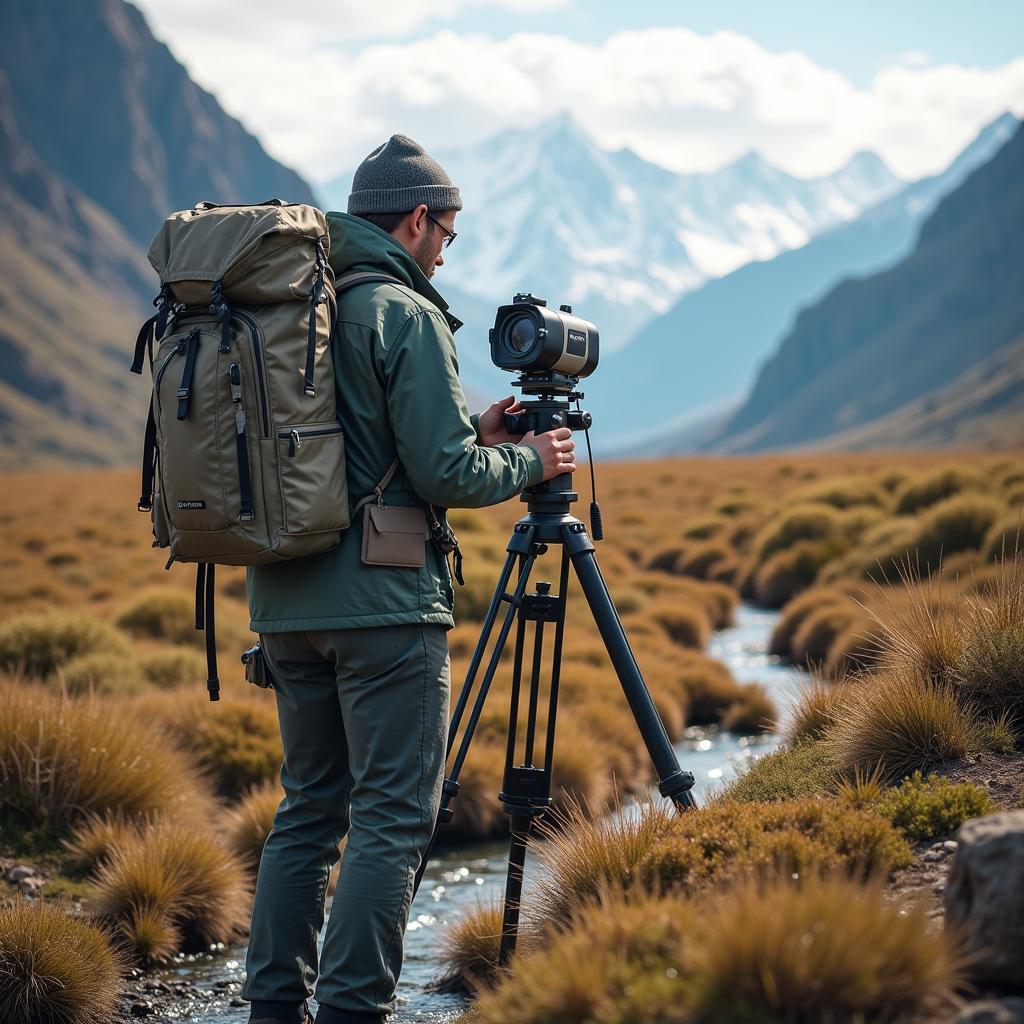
115,768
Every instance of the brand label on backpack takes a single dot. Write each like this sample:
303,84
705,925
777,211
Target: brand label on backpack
193,503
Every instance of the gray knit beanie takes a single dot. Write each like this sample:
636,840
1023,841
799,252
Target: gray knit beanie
397,177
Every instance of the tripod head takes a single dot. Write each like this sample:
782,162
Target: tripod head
549,410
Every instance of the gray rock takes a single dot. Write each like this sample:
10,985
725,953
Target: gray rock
931,856
992,1011
985,896
949,845
21,871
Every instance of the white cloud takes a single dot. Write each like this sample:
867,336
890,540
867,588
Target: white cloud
684,100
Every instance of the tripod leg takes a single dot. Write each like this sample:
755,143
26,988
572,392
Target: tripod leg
673,783
520,828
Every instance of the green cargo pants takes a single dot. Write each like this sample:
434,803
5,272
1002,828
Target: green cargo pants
363,716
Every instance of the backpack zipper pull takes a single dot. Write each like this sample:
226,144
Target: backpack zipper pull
294,442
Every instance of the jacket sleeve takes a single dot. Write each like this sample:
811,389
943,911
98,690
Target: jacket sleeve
434,437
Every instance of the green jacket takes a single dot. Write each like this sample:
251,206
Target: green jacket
397,380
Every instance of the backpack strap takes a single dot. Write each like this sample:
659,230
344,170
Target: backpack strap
363,277
378,491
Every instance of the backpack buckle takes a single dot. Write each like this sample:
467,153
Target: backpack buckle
182,393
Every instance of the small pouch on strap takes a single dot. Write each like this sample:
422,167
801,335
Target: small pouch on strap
394,536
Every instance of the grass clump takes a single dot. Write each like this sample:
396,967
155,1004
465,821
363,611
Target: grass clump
94,839
818,707
929,488
101,672
818,631
959,523
171,888
796,610
684,622
753,711
469,950
171,667
62,759
804,769
161,614
249,822
38,643
809,521
821,950
710,690
729,839
790,571
922,808
55,968
618,962
897,725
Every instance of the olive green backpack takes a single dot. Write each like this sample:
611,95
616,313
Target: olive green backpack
244,454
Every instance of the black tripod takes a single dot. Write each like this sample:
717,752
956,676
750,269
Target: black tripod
526,787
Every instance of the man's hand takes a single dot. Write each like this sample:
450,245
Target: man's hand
556,450
491,423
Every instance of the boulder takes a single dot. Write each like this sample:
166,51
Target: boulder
985,896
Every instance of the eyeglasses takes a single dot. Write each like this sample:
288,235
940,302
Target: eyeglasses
449,236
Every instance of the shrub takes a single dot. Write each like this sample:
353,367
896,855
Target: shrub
729,838
842,492
170,667
176,875
61,759
248,823
897,724
989,666
805,769
925,807
704,528
38,643
54,967
92,840
879,553
754,711
789,571
469,948
684,622
823,949
161,613
711,690
238,742
1004,535
796,611
618,962
799,522
818,632
859,648
101,672
820,703
930,488
959,523
697,559
586,856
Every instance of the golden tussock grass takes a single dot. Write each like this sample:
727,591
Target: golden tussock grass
171,667
796,610
62,758
38,643
177,874
55,968
819,705
932,486
818,631
820,950
248,822
93,839
896,723
101,672
752,711
470,946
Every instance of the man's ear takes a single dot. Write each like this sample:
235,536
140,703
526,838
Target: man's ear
417,221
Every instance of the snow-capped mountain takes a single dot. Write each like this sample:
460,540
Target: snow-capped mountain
621,239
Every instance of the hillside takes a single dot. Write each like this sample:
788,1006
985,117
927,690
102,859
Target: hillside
109,109
83,187
706,350
874,345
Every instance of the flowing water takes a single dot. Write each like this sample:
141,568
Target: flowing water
459,879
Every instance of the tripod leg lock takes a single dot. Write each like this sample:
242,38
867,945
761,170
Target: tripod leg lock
676,784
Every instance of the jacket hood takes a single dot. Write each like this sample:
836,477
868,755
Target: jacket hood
358,245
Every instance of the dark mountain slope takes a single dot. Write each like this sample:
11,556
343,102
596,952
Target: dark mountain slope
109,109
706,350
873,345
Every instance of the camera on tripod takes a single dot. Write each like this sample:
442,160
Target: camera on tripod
531,339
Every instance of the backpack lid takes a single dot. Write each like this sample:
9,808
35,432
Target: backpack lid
205,243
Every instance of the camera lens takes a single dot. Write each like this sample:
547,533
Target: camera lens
523,335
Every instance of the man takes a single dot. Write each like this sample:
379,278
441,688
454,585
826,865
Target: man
359,653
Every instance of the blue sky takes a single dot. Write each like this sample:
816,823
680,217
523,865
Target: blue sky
691,86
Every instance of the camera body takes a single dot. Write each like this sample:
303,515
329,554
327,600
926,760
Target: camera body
528,337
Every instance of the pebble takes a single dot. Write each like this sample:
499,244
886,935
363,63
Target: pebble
142,1009
950,845
19,873
33,883
931,856
238,1002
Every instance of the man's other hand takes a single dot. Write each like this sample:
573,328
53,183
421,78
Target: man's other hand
491,423
556,450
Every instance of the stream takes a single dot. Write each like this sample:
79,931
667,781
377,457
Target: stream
460,878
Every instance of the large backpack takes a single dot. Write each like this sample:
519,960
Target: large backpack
244,456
